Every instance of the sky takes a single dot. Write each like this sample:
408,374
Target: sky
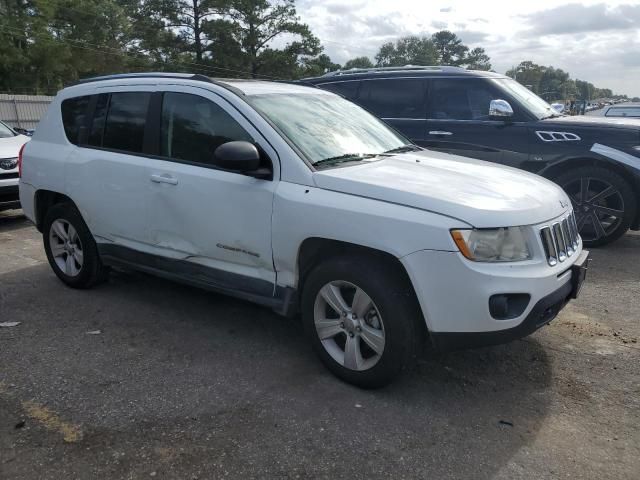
592,40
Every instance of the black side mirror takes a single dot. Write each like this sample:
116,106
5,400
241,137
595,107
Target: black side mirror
238,156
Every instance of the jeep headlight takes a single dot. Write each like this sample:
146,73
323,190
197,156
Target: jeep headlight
493,244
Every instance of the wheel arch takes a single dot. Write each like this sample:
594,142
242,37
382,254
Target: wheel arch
43,201
632,178
314,249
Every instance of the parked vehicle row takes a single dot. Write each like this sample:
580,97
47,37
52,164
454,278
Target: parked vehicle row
491,117
299,200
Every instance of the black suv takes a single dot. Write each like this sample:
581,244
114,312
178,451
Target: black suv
492,117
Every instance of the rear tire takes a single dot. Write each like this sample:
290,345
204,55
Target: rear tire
604,203
70,247
381,322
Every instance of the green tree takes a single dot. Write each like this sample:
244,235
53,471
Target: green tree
358,62
316,66
477,59
527,73
410,50
47,43
253,24
450,49
189,18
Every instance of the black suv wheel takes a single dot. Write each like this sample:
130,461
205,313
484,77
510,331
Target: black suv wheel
603,202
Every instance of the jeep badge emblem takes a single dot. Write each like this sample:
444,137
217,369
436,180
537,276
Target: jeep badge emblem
8,163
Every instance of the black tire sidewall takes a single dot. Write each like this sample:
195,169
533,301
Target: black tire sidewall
630,201
91,269
395,301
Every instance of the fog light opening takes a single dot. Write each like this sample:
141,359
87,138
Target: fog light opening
507,306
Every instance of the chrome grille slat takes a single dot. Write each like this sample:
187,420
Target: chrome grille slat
564,227
560,239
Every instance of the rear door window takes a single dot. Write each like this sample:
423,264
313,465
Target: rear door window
74,116
394,97
125,122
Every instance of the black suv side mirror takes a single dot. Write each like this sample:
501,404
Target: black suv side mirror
238,156
500,110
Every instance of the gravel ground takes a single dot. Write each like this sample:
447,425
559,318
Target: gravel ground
142,378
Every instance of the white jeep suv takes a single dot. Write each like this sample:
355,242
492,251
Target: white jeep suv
295,198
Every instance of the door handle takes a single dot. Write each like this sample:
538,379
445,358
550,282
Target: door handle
164,178
439,132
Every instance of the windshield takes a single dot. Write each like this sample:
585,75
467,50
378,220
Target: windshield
326,127
5,132
533,103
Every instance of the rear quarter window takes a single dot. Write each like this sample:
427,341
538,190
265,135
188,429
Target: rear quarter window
74,116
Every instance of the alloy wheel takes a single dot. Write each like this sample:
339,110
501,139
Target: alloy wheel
66,247
598,206
349,325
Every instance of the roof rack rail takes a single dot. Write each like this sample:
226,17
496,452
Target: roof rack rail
438,68
185,76
118,76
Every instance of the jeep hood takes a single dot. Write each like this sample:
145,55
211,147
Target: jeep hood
479,193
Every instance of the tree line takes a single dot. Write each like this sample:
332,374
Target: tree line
46,44
555,84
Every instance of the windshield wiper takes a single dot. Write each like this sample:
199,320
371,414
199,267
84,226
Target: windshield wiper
347,157
405,148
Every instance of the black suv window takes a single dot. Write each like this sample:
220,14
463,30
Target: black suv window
464,99
124,128
74,116
193,127
346,89
394,97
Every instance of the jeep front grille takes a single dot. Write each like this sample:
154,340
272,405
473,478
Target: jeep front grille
560,239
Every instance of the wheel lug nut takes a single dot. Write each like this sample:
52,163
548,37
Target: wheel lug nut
358,329
342,325
351,334
354,316
344,314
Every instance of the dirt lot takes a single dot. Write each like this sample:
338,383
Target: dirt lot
145,378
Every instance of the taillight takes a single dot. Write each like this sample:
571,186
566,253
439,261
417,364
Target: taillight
20,160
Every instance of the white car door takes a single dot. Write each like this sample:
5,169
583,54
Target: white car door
206,216
108,174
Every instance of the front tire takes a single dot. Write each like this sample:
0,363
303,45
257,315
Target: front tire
603,201
70,247
361,316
